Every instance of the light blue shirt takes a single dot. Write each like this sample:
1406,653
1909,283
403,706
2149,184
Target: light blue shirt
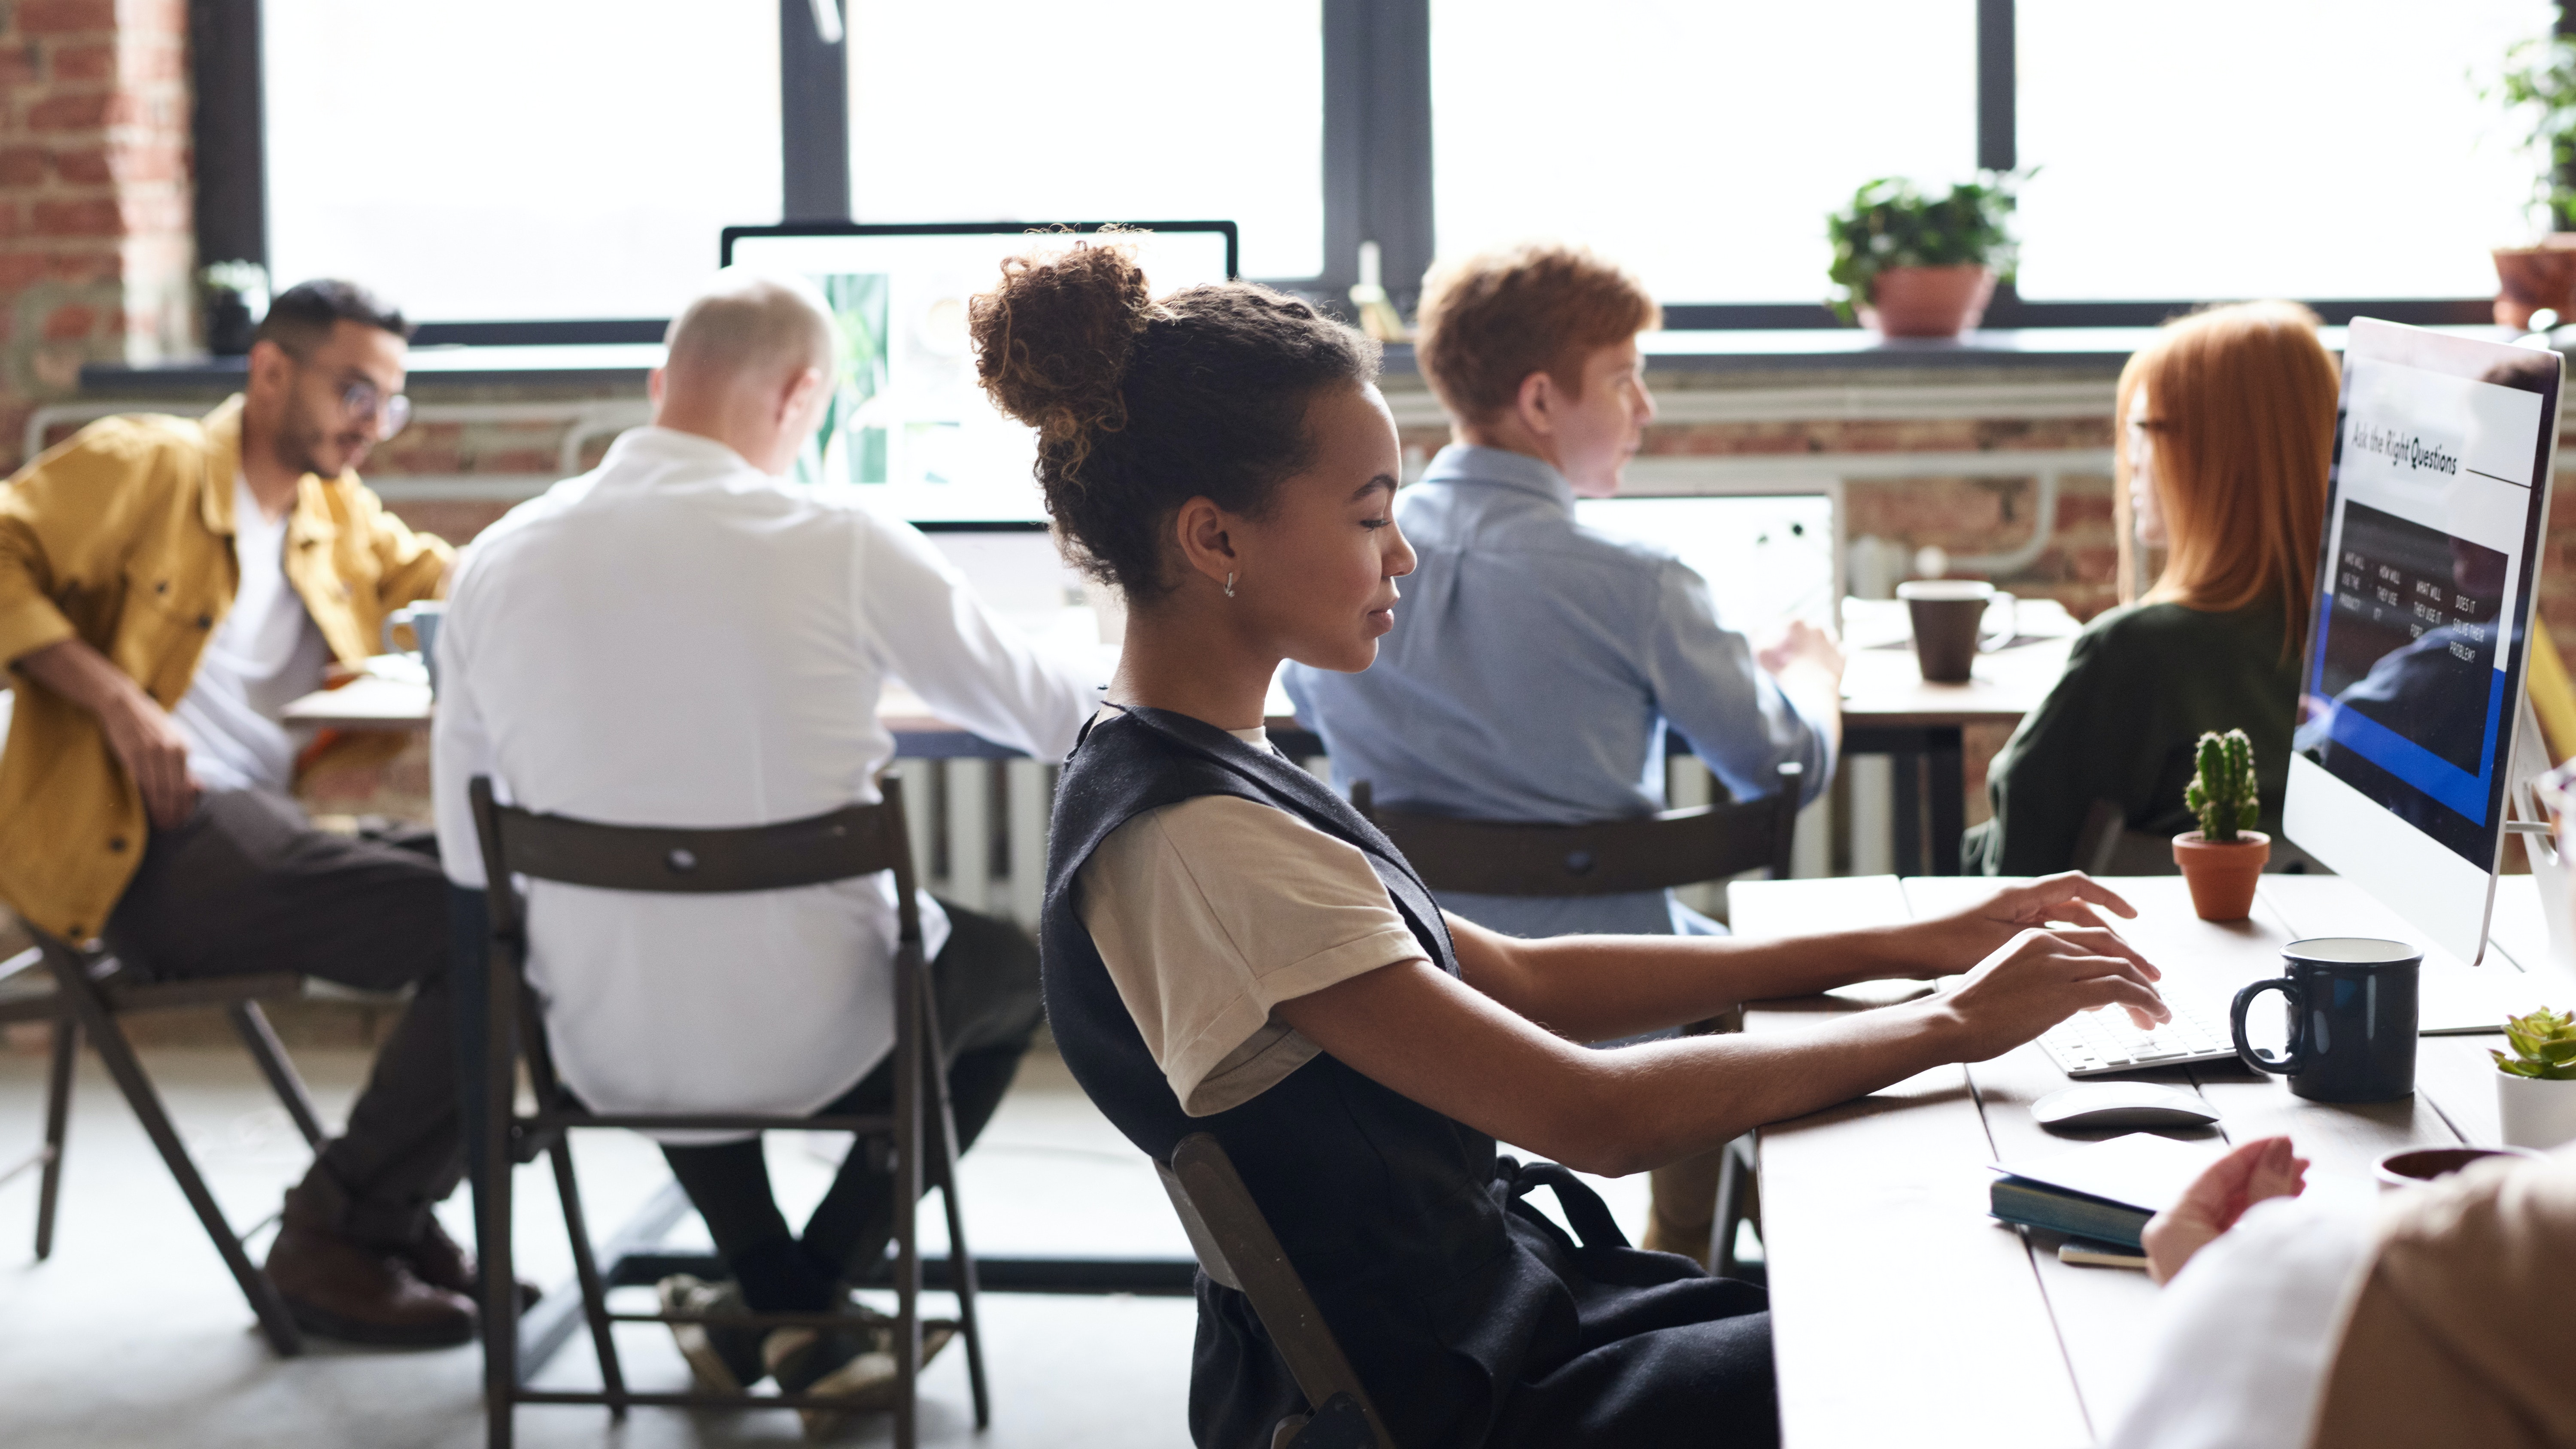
1532,669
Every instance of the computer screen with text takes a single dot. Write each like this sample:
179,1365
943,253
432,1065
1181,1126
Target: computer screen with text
2436,513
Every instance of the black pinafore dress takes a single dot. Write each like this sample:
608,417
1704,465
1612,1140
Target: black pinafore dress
1473,1320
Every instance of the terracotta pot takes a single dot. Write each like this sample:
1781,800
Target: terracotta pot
2530,278
1931,301
2222,877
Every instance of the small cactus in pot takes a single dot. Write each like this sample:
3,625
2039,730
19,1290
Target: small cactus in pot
2222,794
2222,860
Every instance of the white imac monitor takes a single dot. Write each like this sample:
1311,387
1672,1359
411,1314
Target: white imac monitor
2443,459
910,425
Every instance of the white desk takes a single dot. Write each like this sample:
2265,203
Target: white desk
1901,1312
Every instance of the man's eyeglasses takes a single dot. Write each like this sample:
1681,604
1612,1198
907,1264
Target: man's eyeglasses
364,403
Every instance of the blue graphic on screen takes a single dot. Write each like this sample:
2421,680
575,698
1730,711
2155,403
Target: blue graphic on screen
2406,688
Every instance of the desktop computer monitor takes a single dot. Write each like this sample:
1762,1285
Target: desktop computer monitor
910,426
2435,512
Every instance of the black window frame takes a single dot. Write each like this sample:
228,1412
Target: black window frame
1377,169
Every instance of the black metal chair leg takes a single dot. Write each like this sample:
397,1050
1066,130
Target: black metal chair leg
594,1291
943,1166
127,1071
270,1053
1730,1212
58,1111
961,1274
910,980
493,1232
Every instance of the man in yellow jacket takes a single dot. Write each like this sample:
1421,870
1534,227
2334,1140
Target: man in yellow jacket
166,586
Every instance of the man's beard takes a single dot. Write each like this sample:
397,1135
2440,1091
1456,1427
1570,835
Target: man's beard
298,450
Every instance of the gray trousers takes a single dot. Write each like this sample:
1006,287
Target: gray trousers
248,886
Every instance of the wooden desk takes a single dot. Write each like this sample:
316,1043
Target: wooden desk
1901,1312
1888,709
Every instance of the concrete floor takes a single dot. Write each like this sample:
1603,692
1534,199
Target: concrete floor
133,1334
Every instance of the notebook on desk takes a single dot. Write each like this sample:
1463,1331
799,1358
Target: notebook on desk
2105,1192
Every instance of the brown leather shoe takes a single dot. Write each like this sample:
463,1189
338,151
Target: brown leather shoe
442,1262
339,1288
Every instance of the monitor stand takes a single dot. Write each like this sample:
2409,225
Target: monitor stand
2529,824
2460,1000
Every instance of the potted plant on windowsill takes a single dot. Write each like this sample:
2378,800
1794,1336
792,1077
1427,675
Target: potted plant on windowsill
2539,81
2223,858
1910,265
236,297
2536,1085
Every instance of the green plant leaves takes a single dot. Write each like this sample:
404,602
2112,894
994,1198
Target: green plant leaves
2544,1045
2540,81
1892,223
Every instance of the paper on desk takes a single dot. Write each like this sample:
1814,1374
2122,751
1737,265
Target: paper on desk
2140,1170
400,668
2456,1000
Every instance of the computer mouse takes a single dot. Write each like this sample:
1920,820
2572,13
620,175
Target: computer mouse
2121,1104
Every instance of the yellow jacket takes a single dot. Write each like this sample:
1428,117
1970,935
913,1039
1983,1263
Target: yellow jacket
122,536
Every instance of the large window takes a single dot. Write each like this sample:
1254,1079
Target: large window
570,162
2299,148
1173,109
1700,144
498,160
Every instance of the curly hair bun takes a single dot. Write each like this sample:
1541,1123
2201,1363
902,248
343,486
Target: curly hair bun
1053,340
1141,405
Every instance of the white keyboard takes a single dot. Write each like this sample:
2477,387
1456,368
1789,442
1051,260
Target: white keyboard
2103,1041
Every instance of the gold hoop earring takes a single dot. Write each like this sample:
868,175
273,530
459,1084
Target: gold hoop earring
1229,585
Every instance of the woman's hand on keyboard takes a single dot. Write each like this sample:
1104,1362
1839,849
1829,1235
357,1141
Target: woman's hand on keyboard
2041,977
1947,945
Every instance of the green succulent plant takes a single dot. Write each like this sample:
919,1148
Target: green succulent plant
1892,223
2222,792
2544,1046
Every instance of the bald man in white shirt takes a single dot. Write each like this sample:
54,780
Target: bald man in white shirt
681,638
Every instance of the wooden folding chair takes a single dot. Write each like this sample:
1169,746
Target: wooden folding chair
91,992
1236,1248
1597,858
857,841
1616,857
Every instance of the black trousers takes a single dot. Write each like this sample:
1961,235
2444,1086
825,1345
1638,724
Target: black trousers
985,982
248,886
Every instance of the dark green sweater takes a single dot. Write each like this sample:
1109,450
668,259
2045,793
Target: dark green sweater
2142,684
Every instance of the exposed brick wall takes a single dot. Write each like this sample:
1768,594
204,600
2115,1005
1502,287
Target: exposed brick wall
96,229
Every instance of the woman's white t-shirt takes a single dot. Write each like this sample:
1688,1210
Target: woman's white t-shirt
1211,912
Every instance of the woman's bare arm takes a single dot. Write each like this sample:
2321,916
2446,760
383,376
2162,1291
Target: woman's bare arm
1601,988
1447,1045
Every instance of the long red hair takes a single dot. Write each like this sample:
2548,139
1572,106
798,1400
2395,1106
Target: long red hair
2241,406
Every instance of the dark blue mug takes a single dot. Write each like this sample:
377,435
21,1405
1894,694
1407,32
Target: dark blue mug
2351,1004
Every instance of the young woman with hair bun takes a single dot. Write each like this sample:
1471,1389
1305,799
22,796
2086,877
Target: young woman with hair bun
1230,948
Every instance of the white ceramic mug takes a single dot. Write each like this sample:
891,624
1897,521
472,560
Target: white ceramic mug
423,618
